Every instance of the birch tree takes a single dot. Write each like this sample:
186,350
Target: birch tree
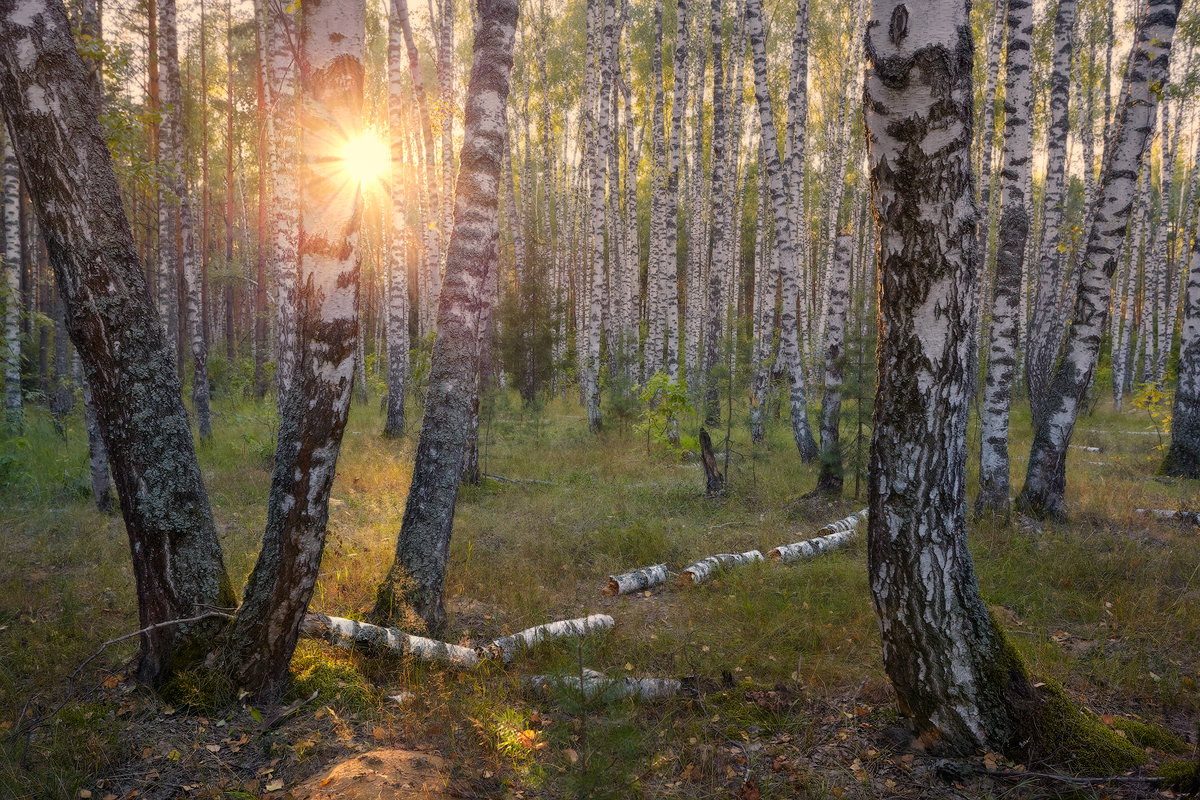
313,418
417,575
829,479
785,240
13,408
1014,231
959,680
397,310
1183,457
1046,474
52,112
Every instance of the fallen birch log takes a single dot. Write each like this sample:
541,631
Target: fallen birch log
635,580
506,647
594,684
349,634
838,534
703,569
1190,517
1086,448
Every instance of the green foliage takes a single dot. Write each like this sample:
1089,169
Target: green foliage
1181,776
1157,404
664,402
333,676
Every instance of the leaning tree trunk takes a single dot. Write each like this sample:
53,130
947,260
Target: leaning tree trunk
313,418
418,573
960,681
1046,475
1010,258
1183,457
785,240
397,296
52,112
829,480
13,409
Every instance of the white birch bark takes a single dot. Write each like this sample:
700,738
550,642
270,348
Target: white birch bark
721,211
506,648
705,568
786,240
1010,259
1045,479
13,407
656,266
353,635
398,237
635,581
597,189
593,685
1041,346
669,267
313,418
834,535
829,479
1183,457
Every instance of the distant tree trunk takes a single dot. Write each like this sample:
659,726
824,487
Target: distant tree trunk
829,480
97,453
1046,475
1183,457
418,573
13,409
177,559
721,179
264,149
785,241
1008,289
597,187
656,269
766,284
313,418
397,307
282,39
670,210
168,208
1041,346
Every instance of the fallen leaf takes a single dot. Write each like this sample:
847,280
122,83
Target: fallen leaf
275,785
327,781
379,733
111,682
1107,719
572,756
85,794
213,748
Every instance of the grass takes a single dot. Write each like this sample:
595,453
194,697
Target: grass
787,659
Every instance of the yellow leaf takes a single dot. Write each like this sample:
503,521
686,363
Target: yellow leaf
275,785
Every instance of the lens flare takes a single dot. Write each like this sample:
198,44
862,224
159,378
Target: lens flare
367,158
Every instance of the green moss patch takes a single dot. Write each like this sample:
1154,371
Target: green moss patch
1145,735
1180,776
1079,741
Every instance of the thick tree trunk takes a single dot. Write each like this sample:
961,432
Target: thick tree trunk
945,658
1010,258
1046,476
313,417
49,105
829,480
418,573
670,210
1183,457
785,239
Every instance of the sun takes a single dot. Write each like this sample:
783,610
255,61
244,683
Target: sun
366,158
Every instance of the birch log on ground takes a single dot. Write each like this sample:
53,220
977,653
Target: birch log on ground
704,569
594,684
351,634
635,580
506,647
1190,517
836,534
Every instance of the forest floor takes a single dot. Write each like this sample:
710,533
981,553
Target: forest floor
787,692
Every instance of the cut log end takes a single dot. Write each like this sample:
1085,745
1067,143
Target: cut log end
611,589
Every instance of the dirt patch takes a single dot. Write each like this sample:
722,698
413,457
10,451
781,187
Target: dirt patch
391,773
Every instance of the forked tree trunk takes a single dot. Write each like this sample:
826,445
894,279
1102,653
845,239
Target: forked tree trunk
1183,457
1046,476
785,240
418,573
1010,257
313,418
46,96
